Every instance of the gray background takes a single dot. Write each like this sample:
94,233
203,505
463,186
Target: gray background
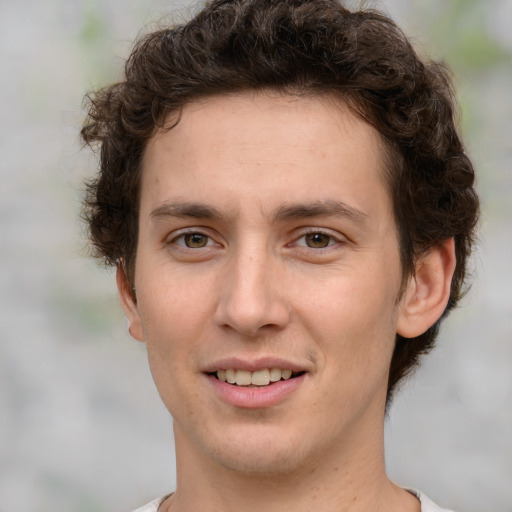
81,425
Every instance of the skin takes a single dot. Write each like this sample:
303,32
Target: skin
266,231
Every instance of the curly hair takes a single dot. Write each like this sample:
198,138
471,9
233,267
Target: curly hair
293,47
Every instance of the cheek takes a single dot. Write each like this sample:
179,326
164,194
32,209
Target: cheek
176,310
354,315
355,337
166,330
173,297
171,336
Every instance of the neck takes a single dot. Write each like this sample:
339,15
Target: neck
342,480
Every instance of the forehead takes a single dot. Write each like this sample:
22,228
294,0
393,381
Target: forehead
263,145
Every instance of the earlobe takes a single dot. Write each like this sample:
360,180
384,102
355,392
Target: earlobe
428,290
129,304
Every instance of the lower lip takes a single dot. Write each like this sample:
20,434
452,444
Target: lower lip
255,397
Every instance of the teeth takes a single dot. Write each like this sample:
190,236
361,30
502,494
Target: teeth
259,378
275,374
243,378
286,374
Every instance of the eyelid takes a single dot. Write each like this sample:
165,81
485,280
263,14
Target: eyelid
336,237
181,233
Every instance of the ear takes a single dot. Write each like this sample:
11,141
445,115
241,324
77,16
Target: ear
428,290
129,304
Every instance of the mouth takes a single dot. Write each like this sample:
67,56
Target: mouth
257,379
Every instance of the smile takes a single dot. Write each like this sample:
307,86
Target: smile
262,377
255,385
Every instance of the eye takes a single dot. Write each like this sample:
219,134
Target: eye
193,240
316,240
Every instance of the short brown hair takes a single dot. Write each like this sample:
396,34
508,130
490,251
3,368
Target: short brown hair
298,47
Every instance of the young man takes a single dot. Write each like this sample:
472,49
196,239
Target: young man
290,210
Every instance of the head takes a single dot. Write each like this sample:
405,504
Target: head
302,49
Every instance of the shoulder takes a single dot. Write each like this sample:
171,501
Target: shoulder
152,506
427,505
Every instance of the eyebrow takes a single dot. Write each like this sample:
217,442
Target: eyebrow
194,210
327,208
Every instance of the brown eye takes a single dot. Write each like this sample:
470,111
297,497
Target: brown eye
317,240
195,240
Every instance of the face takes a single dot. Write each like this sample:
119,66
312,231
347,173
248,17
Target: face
267,278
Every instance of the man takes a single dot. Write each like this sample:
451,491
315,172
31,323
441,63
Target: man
290,210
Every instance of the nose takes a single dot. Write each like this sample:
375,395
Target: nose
251,298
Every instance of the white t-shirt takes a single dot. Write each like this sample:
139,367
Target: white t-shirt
151,507
426,504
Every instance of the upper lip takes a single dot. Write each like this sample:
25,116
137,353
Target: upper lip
253,365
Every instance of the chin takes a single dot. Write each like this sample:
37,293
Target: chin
261,454
257,464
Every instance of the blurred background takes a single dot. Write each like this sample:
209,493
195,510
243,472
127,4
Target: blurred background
81,425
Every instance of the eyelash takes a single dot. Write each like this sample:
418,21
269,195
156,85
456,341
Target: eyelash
332,240
182,236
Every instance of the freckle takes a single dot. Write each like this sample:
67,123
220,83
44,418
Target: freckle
336,469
